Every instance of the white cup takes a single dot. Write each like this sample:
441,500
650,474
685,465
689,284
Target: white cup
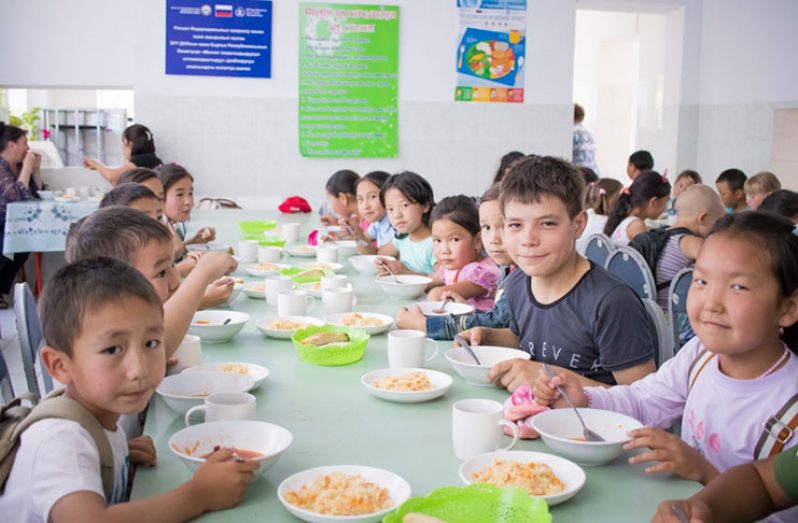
225,406
291,232
269,254
334,281
188,354
327,253
248,251
84,191
275,285
293,303
477,427
71,191
338,299
407,348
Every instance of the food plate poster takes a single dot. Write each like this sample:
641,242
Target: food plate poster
491,49
348,80
208,39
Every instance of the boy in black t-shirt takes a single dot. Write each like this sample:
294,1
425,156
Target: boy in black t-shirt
564,310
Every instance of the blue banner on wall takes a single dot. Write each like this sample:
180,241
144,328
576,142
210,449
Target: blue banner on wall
208,39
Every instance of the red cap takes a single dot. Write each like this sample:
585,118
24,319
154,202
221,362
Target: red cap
294,204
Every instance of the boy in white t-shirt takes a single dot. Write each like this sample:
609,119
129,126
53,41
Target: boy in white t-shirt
104,327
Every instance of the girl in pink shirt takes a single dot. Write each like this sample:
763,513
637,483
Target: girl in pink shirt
737,376
457,247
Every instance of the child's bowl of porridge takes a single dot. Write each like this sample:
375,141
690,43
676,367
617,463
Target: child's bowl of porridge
185,390
217,326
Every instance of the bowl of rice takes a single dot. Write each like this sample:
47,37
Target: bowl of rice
338,493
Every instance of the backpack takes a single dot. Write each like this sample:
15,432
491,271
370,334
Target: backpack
17,416
779,428
651,244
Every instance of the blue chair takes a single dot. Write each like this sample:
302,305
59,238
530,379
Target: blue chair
630,266
6,389
31,338
664,333
599,247
677,304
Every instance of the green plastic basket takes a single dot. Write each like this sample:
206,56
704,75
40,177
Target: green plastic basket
256,226
335,355
271,241
293,271
476,503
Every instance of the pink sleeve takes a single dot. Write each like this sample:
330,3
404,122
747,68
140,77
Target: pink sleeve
484,273
656,400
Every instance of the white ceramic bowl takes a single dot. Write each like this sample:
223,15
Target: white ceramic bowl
489,356
398,489
566,471
562,433
47,195
210,325
66,198
301,251
265,325
255,372
409,286
440,381
265,269
346,247
185,390
210,247
385,321
198,440
256,290
365,262
453,308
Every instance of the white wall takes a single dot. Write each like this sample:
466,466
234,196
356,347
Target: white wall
239,136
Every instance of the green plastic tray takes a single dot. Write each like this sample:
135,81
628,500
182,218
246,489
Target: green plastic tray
335,355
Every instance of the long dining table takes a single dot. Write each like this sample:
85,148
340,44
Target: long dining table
334,420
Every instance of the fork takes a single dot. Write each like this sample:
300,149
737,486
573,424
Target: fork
442,308
586,432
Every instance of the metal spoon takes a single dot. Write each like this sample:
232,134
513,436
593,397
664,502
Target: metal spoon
358,241
228,320
586,432
442,308
395,279
679,513
463,343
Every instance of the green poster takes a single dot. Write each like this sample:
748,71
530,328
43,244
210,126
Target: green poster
348,80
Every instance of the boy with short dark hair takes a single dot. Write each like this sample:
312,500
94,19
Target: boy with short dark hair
133,237
136,196
104,327
564,310
639,161
731,187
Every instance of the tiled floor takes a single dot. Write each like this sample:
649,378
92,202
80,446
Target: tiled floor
9,345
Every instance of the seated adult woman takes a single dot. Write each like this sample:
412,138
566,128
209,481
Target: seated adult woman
138,147
20,178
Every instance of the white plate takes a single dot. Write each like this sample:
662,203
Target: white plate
210,246
312,287
264,325
253,269
398,489
441,383
67,199
183,391
256,372
453,308
567,471
335,267
253,290
301,251
386,321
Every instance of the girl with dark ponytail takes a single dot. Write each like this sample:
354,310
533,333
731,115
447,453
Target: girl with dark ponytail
646,198
138,146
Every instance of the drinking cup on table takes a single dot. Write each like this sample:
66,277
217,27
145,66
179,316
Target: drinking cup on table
225,406
293,303
84,192
334,281
248,251
291,232
275,285
337,300
326,253
407,348
269,254
477,427
188,354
